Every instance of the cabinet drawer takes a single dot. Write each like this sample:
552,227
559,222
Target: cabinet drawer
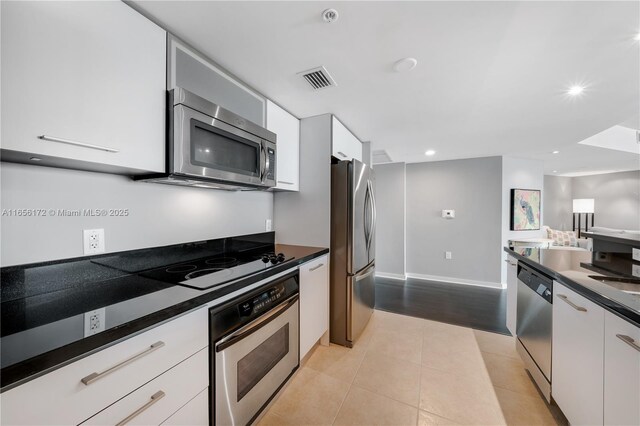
194,413
61,397
621,371
159,399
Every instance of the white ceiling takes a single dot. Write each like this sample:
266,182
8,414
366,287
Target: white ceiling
490,80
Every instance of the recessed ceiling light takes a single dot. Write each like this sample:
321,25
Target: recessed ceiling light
556,152
555,171
430,152
637,37
405,64
575,90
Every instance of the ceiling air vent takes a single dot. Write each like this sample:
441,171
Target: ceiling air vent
318,78
380,156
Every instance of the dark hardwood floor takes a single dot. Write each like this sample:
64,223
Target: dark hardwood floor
482,308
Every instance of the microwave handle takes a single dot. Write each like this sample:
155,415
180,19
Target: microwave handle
263,160
267,163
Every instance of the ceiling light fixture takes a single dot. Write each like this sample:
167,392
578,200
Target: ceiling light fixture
575,90
556,152
637,37
555,171
430,152
405,64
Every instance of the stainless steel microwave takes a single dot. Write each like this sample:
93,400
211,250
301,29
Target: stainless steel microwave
209,146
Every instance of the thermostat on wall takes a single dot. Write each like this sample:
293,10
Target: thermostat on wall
448,214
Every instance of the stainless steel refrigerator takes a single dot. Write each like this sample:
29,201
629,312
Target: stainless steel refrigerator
353,247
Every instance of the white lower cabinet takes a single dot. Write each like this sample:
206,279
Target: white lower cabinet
314,302
76,392
194,413
621,371
577,356
163,396
512,293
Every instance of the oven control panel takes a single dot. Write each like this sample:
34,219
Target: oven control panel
238,312
262,302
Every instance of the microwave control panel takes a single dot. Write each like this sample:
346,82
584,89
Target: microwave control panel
272,164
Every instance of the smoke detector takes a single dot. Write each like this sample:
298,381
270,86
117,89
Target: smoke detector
318,78
330,15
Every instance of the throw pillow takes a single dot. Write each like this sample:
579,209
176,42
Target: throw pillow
563,238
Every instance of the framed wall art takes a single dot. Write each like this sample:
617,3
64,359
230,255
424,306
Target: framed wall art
525,209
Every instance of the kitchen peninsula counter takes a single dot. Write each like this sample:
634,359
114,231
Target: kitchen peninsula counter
568,268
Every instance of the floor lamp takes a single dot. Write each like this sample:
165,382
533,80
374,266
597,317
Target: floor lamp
580,206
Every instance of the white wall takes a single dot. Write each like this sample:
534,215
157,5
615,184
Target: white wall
522,174
558,202
159,214
472,187
390,226
616,197
304,218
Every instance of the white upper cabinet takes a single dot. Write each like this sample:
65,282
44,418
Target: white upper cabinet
345,146
287,129
90,78
194,72
621,371
577,356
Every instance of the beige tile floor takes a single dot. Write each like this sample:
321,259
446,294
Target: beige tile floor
410,371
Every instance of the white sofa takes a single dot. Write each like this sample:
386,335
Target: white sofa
584,244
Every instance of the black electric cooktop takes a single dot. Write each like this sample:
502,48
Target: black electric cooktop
216,271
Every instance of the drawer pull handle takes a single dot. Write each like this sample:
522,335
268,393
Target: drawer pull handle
154,398
570,303
316,267
285,182
629,341
97,376
342,154
82,144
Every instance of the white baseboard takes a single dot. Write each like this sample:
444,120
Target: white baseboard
454,280
391,276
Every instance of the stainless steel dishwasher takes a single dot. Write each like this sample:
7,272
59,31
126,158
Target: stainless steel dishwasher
534,325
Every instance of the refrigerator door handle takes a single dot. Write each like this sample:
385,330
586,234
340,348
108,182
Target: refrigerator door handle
372,270
364,218
374,215
372,204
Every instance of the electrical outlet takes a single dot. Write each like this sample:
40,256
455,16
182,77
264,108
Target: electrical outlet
94,322
93,241
447,255
267,225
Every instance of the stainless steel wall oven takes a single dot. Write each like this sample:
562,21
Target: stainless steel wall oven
254,347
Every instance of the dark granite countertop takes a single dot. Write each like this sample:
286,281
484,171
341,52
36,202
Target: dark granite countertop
569,267
43,305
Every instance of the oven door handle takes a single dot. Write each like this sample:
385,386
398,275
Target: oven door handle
256,324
